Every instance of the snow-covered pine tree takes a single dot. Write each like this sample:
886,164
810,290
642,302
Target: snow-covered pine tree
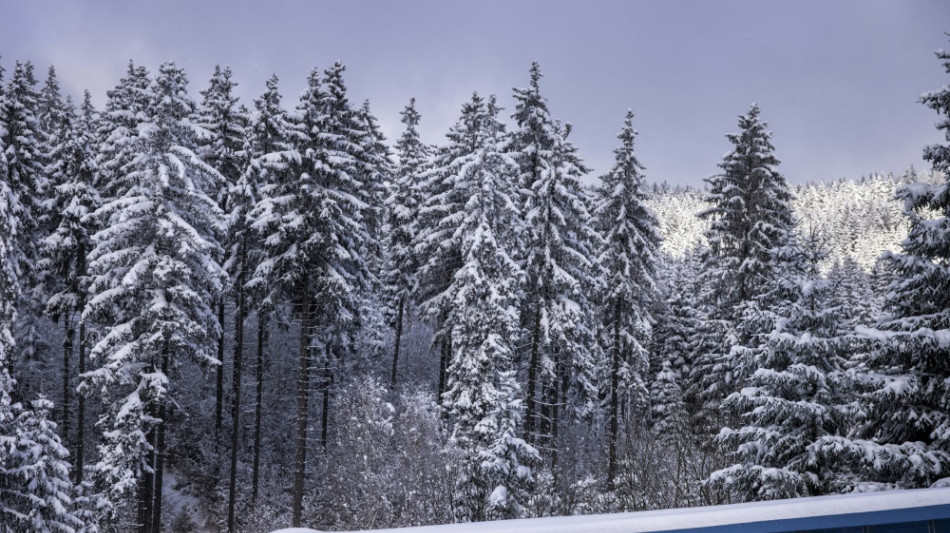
118,130
628,257
749,215
482,390
669,426
9,297
437,242
51,116
36,493
221,145
853,294
904,436
63,265
24,147
313,229
668,420
350,153
222,119
676,329
375,175
557,247
52,105
796,396
403,203
154,272
267,146
750,219
376,171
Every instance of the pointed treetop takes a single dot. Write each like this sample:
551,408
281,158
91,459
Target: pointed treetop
536,76
410,117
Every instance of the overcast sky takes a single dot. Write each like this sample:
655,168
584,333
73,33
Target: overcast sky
838,81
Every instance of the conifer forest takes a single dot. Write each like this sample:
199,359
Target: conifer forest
227,315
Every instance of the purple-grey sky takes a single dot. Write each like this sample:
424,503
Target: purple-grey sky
837,80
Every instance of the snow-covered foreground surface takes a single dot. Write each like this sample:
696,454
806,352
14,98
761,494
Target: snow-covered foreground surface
698,517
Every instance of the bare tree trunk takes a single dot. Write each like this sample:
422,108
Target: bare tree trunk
324,415
81,405
613,428
219,391
300,460
236,386
67,353
261,341
531,410
556,401
160,456
146,495
444,364
402,305
81,369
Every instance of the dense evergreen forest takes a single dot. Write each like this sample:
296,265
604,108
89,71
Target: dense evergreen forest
227,316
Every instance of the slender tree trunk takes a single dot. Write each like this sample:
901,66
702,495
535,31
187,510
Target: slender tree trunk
67,353
555,407
443,365
81,272
219,391
146,496
402,305
160,455
324,415
236,386
81,406
300,460
613,428
259,401
530,413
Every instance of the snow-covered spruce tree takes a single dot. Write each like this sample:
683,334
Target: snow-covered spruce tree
23,146
375,174
628,257
51,104
680,317
267,147
750,218
9,296
52,113
221,146
403,203
154,274
348,146
26,176
313,230
63,265
481,387
668,420
557,246
853,293
796,396
36,493
903,439
118,132
35,490
437,242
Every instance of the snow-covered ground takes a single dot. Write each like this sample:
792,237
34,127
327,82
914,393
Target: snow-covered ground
698,517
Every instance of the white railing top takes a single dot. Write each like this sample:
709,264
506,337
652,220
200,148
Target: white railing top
697,517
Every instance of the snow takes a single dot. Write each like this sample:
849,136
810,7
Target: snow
677,519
